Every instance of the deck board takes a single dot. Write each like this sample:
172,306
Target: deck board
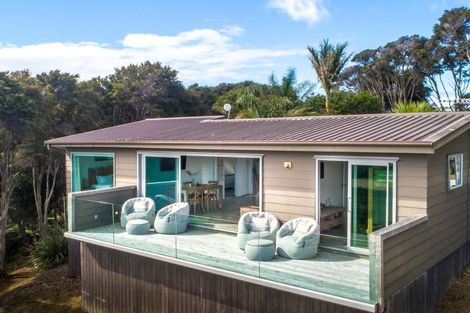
332,273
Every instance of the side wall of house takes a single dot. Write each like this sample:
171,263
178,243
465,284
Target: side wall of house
423,249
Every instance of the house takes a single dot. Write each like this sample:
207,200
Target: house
389,191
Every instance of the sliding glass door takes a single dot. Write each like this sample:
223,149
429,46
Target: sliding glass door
161,179
371,200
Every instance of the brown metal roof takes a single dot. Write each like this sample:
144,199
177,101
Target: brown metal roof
419,128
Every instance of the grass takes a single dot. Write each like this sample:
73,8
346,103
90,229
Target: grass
28,291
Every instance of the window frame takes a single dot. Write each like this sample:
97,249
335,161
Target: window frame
456,156
91,154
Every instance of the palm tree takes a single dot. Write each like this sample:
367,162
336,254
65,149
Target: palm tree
328,62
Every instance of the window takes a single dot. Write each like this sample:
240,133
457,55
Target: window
454,171
92,171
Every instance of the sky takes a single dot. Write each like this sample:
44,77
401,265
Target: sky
206,41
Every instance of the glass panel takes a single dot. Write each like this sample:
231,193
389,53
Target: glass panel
93,219
369,202
391,195
92,172
161,180
220,249
455,170
219,189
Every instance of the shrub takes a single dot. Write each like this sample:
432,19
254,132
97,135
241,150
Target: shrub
412,107
349,102
346,102
50,250
12,242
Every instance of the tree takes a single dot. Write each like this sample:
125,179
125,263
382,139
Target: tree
328,62
392,72
450,47
284,98
15,111
145,90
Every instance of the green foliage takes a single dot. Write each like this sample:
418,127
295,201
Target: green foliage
328,62
278,98
412,107
50,250
348,102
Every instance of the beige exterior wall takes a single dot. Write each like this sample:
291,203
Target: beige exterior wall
290,193
411,253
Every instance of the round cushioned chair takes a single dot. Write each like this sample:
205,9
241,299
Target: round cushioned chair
172,219
256,225
138,208
298,239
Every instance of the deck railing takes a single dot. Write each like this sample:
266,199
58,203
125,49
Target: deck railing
393,252
93,208
95,217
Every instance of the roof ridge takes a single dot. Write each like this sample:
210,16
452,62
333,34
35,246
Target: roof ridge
307,117
211,117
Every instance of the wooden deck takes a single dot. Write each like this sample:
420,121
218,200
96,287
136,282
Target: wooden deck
337,274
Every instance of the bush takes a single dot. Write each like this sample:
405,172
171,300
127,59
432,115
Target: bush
346,102
349,102
12,242
412,107
49,251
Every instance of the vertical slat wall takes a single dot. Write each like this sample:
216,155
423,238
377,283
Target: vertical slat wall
115,281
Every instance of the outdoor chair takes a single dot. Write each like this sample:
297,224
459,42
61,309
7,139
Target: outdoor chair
298,239
172,219
256,225
138,208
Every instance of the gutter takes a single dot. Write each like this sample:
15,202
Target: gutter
357,147
367,307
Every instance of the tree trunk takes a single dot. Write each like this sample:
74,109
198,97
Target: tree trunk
3,230
327,101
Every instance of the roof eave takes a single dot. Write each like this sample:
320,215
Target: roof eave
359,147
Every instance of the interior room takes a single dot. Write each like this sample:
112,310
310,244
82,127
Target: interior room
220,188
333,202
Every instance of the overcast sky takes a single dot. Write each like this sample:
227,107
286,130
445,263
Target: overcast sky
206,41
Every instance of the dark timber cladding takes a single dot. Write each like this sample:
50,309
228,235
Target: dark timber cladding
118,282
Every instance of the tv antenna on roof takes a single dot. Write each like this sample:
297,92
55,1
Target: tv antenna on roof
228,108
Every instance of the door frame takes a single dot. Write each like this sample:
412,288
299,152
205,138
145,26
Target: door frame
141,173
141,154
355,160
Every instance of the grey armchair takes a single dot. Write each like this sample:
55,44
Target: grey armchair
172,219
256,225
138,208
298,239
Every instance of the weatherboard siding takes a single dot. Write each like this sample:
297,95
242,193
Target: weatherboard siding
411,253
289,193
447,209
